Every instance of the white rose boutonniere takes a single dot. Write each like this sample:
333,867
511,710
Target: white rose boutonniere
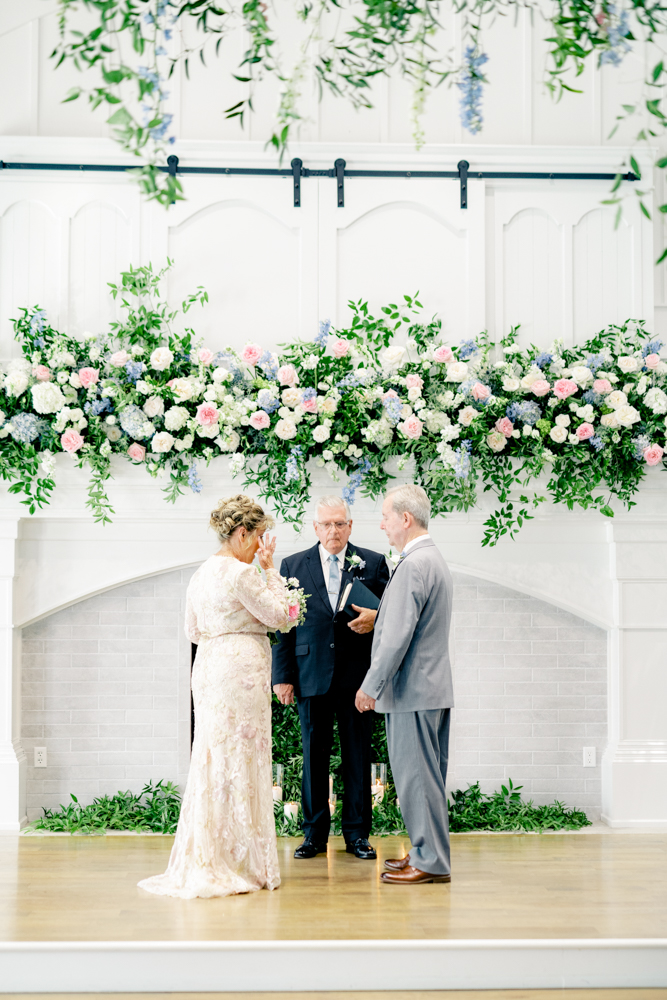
354,561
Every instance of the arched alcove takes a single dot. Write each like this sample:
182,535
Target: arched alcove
106,690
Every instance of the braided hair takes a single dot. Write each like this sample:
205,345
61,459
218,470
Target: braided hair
236,512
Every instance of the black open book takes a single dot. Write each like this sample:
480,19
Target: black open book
356,593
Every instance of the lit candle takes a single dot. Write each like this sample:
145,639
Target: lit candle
333,798
277,793
291,810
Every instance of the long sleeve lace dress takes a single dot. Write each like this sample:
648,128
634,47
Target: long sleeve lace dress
226,841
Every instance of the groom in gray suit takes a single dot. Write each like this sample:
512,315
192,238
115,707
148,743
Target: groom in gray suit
410,680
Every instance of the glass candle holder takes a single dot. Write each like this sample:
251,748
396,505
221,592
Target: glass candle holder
291,810
378,782
333,799
278,782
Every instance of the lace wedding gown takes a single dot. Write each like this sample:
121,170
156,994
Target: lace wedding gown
226,841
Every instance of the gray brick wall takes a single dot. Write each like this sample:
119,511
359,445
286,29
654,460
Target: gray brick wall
106,690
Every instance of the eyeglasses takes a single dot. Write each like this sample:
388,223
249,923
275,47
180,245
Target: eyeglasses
338,525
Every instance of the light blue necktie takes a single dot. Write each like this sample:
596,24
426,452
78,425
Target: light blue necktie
334,582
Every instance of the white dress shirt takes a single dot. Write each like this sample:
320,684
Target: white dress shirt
326,565
413,541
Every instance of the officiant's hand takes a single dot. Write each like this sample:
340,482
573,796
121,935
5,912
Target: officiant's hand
365,622
285,693
363,702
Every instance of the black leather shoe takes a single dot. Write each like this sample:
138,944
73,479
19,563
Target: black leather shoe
309,849
361,848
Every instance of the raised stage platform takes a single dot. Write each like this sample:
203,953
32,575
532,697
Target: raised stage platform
522,912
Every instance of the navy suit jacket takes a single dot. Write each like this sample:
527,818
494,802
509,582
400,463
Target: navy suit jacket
308,655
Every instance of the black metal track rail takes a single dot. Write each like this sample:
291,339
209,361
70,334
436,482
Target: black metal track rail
296,171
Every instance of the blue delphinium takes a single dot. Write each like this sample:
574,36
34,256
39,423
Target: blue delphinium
25,427
527,412
653,347
158,132
37,321
134,370
392,407
596,442
591,396
322,336
267,401
350,381
98,406
194,480
462,460
356,479
470,85
467,349
618,28
543,359
269,364
307,394
292,464
640,444
595,361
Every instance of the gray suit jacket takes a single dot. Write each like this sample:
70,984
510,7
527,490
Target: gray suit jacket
410,669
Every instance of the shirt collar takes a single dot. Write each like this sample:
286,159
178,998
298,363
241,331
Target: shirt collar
324,556
413,541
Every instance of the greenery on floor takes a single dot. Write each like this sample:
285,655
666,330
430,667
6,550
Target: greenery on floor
156,809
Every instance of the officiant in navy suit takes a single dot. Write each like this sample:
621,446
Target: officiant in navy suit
322,664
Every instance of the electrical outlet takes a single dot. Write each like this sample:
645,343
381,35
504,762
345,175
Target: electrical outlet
589,757
40,757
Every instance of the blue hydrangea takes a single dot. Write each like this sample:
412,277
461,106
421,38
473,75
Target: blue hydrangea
527,412
595,361
307,394
393,406
267,401
194,481
653,347
25,427
351,381
356,479
132,420
134,370
640,444
269,364
470,85
292,464
98,406
543,359
462,460
596,442
591,396
467,349
322,336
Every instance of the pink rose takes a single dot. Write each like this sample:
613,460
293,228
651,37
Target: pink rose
480,391
137,452
389,394
602,385
205,356
654,454
251,353
505,426
565,387
443,355
71,441
340,348
207,414
585,431
413,381
260,420
413,427
88,376
293,611
310,405
42,373
287,375
652,361
540,387
119,359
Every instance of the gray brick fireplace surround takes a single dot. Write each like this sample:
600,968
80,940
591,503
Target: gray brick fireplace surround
106,691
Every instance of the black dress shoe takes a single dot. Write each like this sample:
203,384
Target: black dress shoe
361,849
309,849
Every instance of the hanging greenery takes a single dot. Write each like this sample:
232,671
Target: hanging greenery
588,421
134,46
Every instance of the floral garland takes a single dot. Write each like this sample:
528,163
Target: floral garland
591,417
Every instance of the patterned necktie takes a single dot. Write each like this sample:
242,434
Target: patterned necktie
334,582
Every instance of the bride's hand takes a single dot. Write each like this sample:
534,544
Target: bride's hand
267,546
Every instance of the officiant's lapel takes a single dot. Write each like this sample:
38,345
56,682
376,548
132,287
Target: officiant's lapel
314,564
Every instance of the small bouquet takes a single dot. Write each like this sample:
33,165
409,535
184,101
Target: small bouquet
297,607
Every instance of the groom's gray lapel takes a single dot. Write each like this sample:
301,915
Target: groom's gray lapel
422,543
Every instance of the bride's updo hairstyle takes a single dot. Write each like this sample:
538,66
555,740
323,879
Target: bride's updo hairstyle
236,512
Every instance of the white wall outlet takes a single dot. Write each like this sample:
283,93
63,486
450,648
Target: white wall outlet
40,756
589,757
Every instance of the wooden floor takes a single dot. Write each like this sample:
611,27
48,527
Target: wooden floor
84,889
638,994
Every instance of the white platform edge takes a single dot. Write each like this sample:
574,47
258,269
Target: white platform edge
272,966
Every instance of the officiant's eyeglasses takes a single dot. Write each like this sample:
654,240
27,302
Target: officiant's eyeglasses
327,525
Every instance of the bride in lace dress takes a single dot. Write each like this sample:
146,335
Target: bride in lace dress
226,840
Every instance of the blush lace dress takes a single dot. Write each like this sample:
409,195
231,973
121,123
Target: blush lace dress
226,840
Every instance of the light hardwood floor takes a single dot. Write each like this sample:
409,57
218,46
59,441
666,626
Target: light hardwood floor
85,888
638,994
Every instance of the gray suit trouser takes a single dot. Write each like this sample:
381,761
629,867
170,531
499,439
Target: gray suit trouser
418,744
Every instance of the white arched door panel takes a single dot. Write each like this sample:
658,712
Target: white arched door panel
396,237
534,296
605,285
100,247
254,253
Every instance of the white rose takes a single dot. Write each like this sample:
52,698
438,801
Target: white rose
609,420
531,377
153,407
656,400
616,399
457,371
175,418
228,441
285,429
291,397
392,357
558,433
627,415
183,388
113,433
161,358
220,374
47,397
586,413
327,405
321,434
467,415
414,393
496,441
406,411
510,384
627,363
573,439
210,431
562,420
16,382
144,388
183,444
74,380
111,419
581,374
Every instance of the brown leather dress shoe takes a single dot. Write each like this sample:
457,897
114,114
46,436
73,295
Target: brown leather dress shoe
397,864
412,876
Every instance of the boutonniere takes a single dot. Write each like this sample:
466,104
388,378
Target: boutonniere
355,561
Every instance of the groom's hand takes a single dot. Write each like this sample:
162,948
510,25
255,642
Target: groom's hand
285,693
365,622
363,703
